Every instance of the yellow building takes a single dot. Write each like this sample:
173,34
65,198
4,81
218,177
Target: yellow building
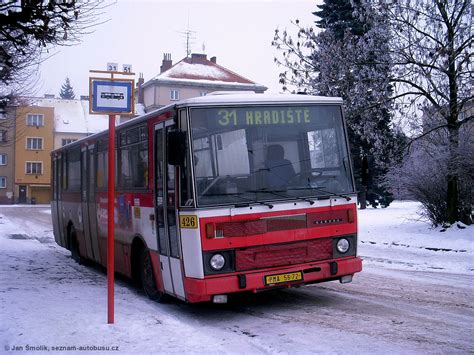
33,145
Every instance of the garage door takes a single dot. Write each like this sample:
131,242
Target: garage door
41,194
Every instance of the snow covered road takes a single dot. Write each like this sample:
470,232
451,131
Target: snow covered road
408,299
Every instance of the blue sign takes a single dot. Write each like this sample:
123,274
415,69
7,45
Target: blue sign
111,96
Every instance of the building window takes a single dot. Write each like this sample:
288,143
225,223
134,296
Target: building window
34,167
3,135
3,159
66,141
202,93
174,95
3,116
3,182
34,120
34,143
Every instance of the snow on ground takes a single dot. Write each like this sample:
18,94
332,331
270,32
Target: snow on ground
396,237
48,300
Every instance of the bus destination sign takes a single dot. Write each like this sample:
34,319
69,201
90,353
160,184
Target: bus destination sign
258,117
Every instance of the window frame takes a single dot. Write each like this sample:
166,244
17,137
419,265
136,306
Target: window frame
68,140
33,162
3,159
174,95
33,116
3,135
33,139
4,184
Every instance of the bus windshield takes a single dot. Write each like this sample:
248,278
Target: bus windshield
251,154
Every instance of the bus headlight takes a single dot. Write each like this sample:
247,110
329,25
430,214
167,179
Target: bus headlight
342,245
217,262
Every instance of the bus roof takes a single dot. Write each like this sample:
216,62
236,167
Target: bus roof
220,98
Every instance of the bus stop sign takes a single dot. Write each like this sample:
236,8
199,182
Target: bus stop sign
111,96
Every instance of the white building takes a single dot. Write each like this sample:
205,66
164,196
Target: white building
191,77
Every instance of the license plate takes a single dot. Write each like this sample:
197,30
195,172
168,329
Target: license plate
281,278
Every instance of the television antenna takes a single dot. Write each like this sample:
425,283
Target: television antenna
189,36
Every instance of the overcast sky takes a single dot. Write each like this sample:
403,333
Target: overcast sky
238,33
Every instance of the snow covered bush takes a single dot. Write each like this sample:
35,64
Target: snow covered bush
422,176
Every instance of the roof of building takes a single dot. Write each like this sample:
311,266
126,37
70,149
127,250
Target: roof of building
199,68
72,116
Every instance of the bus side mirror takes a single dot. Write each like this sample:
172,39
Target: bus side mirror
176,148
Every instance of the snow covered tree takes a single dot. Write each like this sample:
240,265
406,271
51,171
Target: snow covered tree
338,16
350,58
67,92
432,53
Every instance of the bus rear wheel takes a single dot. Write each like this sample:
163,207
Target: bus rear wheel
74,246
147,276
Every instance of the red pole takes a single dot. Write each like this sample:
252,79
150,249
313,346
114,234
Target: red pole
110,222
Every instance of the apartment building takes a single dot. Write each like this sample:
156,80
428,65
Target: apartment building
7,155
33,144
190,77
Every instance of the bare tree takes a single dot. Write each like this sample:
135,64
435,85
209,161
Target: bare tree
433,72
32,28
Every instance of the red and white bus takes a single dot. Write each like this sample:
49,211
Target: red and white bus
216,195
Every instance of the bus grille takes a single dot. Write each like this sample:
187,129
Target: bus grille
283,254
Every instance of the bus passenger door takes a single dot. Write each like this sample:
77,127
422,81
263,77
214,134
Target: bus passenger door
92,204
61,169
84,204
168,238
54,202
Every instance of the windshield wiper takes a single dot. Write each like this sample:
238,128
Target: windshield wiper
330,193
269,205
275,192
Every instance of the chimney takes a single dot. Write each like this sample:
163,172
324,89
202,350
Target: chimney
141,81
198,58
167,62
214,60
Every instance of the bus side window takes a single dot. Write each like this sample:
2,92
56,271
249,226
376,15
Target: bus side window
74,169
133,159
102,167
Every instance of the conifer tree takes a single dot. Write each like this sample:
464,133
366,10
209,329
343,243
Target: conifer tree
349,59
67,92
337,16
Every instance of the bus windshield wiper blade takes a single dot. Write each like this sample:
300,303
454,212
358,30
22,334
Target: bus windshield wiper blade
276,193
322,190
248,200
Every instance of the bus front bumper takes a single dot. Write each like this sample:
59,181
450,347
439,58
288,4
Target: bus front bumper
201,290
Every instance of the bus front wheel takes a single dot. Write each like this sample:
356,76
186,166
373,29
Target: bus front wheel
147,276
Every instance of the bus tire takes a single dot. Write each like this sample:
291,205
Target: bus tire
74,245
147,276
